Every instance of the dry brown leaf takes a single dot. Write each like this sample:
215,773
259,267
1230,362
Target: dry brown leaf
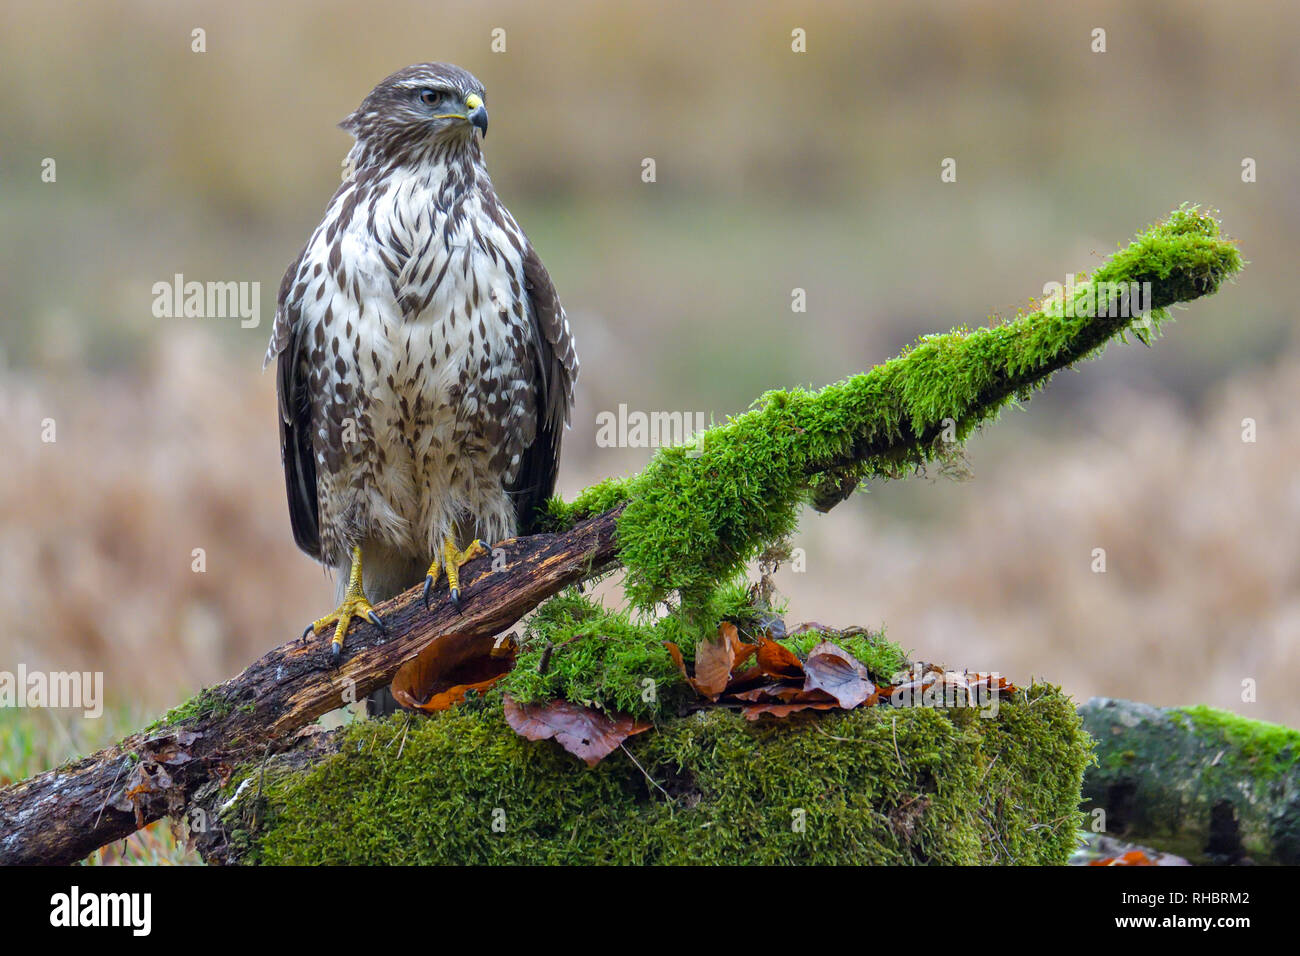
449,667
930,684
990,682
675,653
741,652
805,700
715,661
834,670
776,660
588,734
921,677
1131,858
747,680
768,693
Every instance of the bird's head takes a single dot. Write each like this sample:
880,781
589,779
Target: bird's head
418,107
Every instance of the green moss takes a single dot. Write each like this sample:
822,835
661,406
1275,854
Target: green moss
1198,782
206,702
616,660
699,512
591,501
599,657
1253,748
874,785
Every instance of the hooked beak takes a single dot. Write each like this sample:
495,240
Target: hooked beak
476,113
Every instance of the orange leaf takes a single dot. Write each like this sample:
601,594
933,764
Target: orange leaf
929,685
586,733
768,693
991,682
778,660
1131,858
807,700
741,652
675,653
449,667
714,661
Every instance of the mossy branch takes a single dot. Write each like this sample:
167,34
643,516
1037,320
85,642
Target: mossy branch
688,523
699,512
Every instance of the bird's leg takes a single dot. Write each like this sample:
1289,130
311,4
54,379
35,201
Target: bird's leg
354,603
453,558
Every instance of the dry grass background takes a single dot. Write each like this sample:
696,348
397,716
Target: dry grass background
775,171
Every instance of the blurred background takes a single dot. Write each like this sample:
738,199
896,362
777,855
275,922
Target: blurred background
775,170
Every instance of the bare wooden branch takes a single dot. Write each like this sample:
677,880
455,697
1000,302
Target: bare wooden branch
61,816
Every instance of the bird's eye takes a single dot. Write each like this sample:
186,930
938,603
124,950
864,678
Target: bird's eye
429,97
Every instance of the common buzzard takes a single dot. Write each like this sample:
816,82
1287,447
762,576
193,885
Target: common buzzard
425,367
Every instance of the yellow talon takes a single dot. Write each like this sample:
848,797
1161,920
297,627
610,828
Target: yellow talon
354,604
453,558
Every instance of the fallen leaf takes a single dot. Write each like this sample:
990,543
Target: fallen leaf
740,652
1131,858
778,660
772,625
929,685
715,660
747,679
768,693
805,700
588,734
834,670
990,682
449,667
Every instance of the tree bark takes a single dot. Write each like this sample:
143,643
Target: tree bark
61,816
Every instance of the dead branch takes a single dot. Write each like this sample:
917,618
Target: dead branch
61,816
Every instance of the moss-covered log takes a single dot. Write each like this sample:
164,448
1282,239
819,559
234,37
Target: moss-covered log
1201,783
880,785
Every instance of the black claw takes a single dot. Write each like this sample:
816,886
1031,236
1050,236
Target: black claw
310,629
455,599
377,621
428,586
336,651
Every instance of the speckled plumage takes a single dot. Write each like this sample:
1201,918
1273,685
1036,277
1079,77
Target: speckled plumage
425,365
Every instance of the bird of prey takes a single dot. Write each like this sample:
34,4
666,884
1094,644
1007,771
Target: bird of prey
425,368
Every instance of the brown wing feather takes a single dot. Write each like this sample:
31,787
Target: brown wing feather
555,371
296,452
